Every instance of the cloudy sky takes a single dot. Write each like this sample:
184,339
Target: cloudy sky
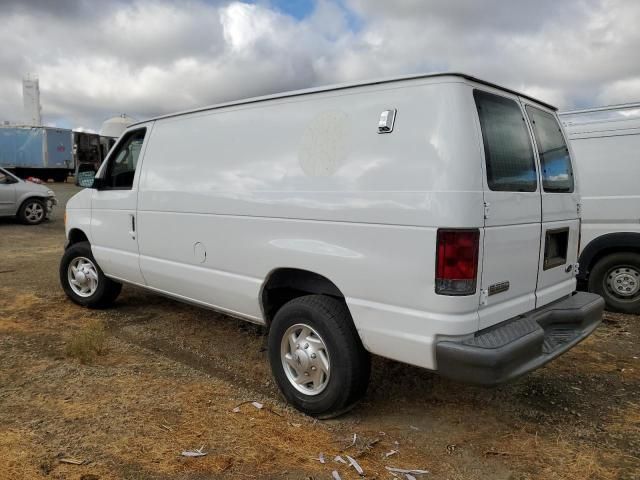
149,57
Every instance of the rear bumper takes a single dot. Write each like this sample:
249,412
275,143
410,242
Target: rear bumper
512,348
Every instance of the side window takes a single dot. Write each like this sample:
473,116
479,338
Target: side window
557,174
124,160
3,177
507,146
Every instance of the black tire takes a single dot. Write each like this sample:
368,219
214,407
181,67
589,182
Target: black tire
604,273
107,290
33,211
350,363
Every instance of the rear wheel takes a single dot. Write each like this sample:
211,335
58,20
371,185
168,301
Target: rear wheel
616,278
82,279
317,357
33,211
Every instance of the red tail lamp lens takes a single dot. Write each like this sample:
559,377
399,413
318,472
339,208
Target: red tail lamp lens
457,262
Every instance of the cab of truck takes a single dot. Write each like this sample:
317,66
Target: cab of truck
433,220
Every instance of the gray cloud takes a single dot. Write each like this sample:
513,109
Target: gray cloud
149,57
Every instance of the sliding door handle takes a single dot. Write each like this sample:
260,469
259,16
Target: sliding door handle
132,232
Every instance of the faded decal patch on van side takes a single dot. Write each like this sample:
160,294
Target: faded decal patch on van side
325,143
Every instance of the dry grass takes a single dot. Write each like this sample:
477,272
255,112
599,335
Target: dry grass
559,458
88,343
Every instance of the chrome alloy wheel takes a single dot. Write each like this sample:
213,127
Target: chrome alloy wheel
305,359
34,212
623,281
83,276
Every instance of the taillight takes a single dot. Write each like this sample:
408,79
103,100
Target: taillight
457,262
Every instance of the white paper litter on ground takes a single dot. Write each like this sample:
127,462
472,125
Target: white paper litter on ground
194,453
339,459
414,471
258,405
355,465
335,475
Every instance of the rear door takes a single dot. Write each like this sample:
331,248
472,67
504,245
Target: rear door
560,215
512,209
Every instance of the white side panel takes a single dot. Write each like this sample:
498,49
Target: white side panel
230,195
320,157
609,172
385,272
386,264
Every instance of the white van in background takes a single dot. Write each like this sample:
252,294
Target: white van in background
430,219
606,149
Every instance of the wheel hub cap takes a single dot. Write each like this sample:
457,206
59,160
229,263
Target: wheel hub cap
34,212
305,359
624,281
82,275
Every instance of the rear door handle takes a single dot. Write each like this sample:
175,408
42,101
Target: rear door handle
132,232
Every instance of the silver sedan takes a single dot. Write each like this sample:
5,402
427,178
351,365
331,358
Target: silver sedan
29,202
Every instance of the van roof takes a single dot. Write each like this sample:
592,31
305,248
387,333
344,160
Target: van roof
343,86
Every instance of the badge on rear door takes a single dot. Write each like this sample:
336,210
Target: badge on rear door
498,288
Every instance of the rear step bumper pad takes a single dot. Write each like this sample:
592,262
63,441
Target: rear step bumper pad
512,348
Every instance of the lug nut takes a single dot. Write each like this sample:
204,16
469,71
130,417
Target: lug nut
306,374
313,368
306,345
313,355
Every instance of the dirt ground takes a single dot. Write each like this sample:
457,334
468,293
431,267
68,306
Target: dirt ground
171,376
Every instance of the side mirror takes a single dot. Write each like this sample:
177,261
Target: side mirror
86,179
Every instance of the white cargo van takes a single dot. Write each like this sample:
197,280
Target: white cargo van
429,219
606,147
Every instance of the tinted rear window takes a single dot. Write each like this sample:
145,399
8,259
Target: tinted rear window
557,175
507,145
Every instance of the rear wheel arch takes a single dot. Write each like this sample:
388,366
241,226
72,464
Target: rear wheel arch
608,244
285,284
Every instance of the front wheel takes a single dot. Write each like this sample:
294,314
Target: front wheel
33,211
82,279
616,278
316,356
